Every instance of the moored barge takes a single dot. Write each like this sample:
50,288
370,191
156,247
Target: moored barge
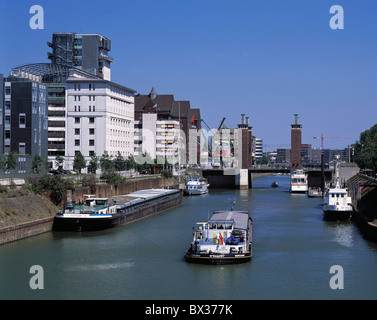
226,238
103,213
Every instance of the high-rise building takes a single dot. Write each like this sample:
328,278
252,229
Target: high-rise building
23,119
166,108
88,52
100,117
258,148
296,129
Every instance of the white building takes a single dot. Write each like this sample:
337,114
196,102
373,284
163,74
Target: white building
99,117
258,148
159,138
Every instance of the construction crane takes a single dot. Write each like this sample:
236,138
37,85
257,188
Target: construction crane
323,138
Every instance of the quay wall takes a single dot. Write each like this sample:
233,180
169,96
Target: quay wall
38,226
25,230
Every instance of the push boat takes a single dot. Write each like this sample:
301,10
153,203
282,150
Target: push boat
299,181
226,238
274,184
337,204
195,185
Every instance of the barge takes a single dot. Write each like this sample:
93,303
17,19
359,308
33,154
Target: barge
104,213
226,238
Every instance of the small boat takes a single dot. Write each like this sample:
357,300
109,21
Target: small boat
314,192
299,181
337,205
195,185
226,238
274,184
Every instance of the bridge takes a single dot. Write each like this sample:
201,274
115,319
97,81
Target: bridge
243,178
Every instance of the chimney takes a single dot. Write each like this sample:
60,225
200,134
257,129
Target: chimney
247,121
296,118
242,118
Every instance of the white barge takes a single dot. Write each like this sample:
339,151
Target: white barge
226,238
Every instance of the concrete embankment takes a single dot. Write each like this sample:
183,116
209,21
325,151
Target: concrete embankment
26,216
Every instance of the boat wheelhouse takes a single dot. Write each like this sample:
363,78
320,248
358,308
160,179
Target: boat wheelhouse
299,181
195,185
226,238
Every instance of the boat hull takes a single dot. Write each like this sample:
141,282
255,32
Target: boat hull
336,215
87,224
195,192
212,258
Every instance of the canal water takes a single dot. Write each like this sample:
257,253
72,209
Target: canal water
294,250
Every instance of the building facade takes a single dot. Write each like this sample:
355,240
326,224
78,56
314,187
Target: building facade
88,52
166,108
24,119
100,117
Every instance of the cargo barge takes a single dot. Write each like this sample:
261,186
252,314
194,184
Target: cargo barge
104,213
226,238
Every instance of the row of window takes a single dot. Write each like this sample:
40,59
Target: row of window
77,142
91,108
77,86
90,98
78,120
91,131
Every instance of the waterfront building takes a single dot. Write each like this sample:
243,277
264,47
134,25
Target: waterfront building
258,148
100,117
233,147
23,120
166,108
88,52
161,139
296,129
283,155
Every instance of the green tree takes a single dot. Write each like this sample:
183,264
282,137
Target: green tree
93,164
59,162
11,162
113,177
366,149
105,161
119,162
79,162
36,163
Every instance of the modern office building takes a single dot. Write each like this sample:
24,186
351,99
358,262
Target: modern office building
258,148
88,52
161,139
296,129
233,148
100,117
166,108
23,120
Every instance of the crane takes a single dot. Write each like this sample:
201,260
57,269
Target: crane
323,138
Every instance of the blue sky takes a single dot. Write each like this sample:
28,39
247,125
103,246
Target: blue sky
267,59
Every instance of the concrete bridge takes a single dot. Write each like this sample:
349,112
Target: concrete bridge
243,178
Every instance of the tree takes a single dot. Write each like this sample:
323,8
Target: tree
93,164
119,162
113,177
79,162
131,163
366,149
36,163
59,162
105,161
11,162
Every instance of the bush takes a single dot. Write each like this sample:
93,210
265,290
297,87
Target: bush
113,178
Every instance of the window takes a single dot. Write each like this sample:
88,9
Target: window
90,108
91,120
77,142
7,120
91,131
92,154
91,142
21,148
7,134
94,108
94,86
22,120
7,91
77,120
77,132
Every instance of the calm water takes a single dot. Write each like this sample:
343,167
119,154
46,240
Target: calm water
293,252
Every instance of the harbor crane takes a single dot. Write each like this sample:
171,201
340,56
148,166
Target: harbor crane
323,138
